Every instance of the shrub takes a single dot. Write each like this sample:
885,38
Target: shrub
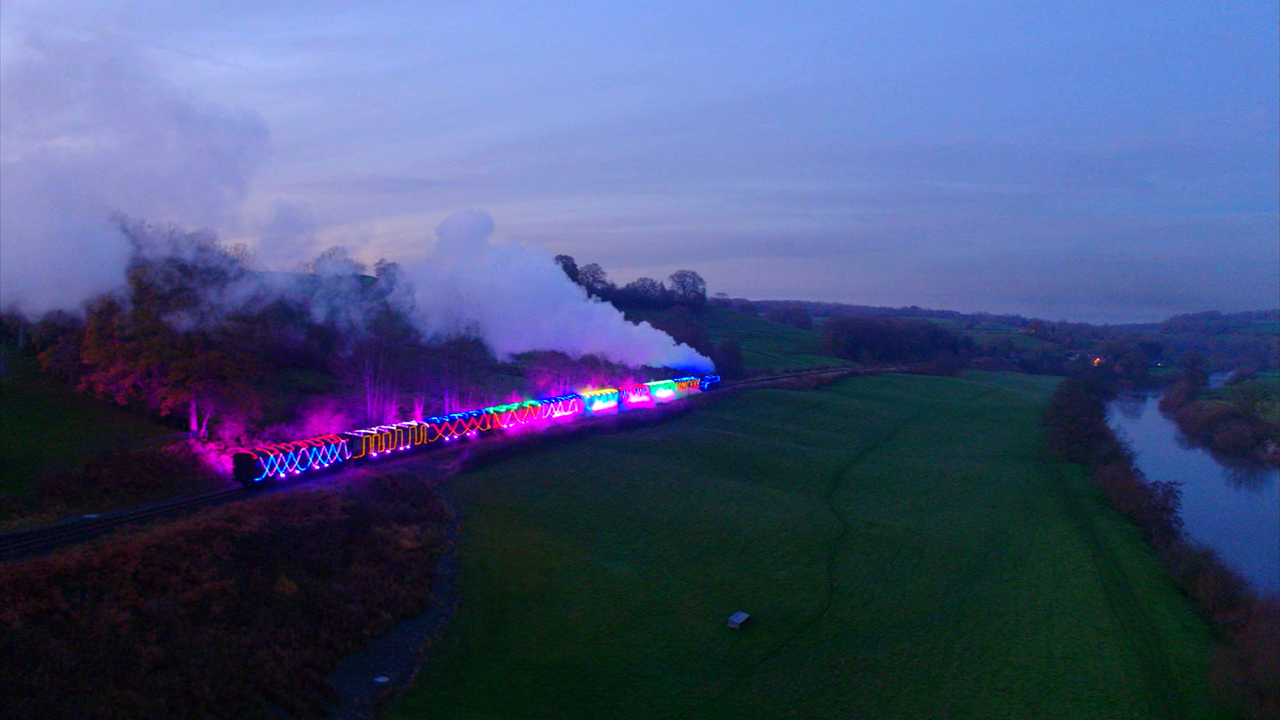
240,611
127,477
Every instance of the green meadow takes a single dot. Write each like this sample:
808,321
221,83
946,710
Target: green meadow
766,346
45,426
905,548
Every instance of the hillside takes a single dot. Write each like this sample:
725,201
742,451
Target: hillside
766,346
47,426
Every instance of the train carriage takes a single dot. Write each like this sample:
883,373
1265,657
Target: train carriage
282,460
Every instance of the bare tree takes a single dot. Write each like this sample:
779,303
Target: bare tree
689,286
646,289
593,277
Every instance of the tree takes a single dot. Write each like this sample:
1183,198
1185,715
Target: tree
1252,398
448,374
132,355
689,286
167,344
593,277
1195,369
57,338
885,340
569,266
645,289
15,328
682,325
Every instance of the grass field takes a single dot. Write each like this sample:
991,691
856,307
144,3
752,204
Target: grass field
904,546
766,346
45,426
990,333
1266,384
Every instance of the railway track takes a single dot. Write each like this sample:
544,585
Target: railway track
16,545
25,543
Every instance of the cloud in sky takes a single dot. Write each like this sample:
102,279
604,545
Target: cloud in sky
962,156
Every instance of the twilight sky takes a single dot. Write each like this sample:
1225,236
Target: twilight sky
1110,161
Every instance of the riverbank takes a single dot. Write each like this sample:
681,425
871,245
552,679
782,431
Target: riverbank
1239,421
1231,506
1249,623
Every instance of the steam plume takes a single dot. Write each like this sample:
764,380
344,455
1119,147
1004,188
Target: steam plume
89,128
520,300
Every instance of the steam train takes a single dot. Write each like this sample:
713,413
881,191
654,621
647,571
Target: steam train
282,460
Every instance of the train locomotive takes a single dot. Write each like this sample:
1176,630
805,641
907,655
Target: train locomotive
282,460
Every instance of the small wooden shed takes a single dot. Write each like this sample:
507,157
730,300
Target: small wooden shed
736,619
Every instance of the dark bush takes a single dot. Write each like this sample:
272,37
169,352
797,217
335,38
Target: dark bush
241,611
126,477
887,340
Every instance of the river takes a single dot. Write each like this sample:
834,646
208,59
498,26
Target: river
1233,509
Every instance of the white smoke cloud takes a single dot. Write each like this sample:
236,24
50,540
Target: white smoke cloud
87,128
520,300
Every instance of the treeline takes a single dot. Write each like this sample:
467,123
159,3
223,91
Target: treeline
881,341
1014,342
683,288
1241,420
242,356
1247,664
1226,340
240,611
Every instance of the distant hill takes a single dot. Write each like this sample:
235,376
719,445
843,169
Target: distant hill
766,346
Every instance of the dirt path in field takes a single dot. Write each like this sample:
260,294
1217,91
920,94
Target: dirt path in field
389,665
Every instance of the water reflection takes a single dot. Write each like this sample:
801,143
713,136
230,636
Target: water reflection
1232,506
1130,406
1245,474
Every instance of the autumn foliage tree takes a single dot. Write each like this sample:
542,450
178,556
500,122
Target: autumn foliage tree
168,344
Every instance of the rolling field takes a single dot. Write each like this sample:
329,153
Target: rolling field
905,548
766,346
45,426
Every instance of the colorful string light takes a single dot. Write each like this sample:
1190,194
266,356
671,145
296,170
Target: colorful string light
318,453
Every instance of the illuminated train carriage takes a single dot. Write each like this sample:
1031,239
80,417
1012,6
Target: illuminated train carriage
601,402
319,453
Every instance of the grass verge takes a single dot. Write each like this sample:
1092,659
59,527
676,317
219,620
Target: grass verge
45,427
767,346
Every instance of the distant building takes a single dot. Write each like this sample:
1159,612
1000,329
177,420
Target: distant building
736,619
